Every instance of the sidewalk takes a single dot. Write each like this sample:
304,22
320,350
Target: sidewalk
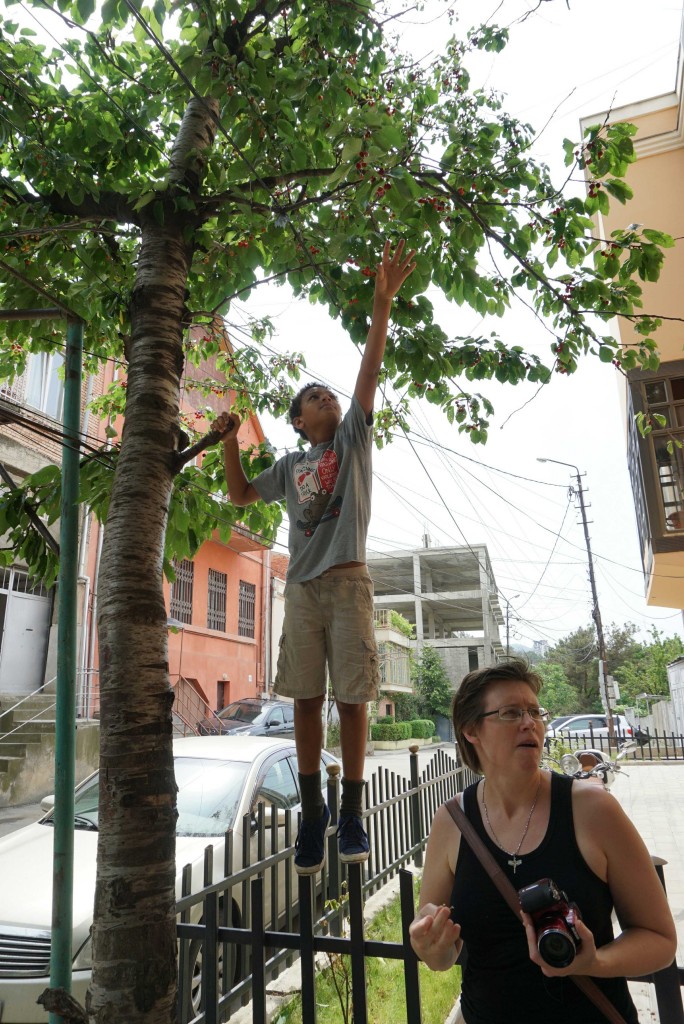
653,797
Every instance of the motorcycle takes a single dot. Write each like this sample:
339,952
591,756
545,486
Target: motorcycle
593,764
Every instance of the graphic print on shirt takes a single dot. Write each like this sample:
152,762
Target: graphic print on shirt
314,481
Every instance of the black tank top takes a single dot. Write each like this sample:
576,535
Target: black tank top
501,985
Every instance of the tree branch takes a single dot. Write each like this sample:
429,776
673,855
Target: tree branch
59,1001
179,458
108,206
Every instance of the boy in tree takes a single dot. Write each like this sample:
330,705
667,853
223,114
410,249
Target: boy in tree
328,593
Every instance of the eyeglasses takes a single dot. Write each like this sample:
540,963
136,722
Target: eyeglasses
511,714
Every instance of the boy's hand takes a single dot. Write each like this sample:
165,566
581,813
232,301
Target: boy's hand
227,425
393,271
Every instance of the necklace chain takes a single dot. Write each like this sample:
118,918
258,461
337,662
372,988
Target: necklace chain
515,860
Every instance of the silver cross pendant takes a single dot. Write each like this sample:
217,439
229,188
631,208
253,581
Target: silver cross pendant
514,862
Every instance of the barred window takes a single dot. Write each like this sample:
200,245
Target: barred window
246,604
216,600
181,590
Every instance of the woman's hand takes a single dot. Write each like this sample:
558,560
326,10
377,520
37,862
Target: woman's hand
585,956
435,938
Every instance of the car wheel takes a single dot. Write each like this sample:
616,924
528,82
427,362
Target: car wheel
196,958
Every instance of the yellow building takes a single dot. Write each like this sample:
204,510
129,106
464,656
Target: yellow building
657,474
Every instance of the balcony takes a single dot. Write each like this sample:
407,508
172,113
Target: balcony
656,468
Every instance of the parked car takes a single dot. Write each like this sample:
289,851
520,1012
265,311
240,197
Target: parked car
556,723
219,778
251,716
587,725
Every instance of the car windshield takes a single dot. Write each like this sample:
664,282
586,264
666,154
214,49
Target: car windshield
556,722
242,712
208,796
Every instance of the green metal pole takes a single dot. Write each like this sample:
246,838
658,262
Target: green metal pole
65,740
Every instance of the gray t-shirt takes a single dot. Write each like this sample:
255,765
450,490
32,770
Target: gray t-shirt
327,492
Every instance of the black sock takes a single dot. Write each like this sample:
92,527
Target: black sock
352,797
312,796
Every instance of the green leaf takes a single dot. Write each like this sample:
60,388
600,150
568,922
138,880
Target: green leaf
658,238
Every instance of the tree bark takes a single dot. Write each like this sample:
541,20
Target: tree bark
134,943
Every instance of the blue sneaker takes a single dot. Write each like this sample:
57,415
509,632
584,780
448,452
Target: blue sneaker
352,839
310,844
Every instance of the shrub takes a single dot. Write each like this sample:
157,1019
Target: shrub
385,719
333,735
391,732
406,706
422,728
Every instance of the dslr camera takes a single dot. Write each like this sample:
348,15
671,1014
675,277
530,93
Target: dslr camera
554,918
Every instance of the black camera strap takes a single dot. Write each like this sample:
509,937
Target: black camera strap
507,890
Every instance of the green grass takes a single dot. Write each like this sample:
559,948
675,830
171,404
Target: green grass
384,984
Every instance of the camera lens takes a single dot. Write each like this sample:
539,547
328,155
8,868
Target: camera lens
556,947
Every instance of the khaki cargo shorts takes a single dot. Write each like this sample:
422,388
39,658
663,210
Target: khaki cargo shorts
329,618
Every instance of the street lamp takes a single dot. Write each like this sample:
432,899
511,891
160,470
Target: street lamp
508,622
595,613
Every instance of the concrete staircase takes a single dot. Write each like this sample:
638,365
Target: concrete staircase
27,747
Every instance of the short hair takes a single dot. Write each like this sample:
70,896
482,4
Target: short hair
468,700
295,409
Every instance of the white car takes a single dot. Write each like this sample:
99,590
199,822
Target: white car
586,725
220,779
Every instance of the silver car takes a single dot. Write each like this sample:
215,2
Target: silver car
585,726
220,779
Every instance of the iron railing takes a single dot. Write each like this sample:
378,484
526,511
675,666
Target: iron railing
243,936
241,927
652,746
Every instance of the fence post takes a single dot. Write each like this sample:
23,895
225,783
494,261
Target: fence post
308,955
356,935
416,824
258,953
667,986
183,1009
333,861
209,1001
411,978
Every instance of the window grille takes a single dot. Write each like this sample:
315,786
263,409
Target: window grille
20,581
216,601
15,390
246,605
666,398
181,591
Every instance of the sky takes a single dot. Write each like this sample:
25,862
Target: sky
562,63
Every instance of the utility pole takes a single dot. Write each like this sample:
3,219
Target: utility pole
595,611
508,623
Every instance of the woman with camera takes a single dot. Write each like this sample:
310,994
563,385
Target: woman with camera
567,843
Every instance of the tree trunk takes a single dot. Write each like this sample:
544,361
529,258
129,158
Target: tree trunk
134,943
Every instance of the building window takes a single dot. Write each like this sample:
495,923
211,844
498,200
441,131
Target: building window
44,384
40,386
181,590
246,605
216,601
666,398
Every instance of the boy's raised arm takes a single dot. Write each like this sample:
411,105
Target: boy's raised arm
391,273
240,491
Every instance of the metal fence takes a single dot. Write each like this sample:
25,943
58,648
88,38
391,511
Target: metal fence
239,931
653,745
237,934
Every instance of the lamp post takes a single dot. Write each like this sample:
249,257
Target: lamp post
595,612
508,622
